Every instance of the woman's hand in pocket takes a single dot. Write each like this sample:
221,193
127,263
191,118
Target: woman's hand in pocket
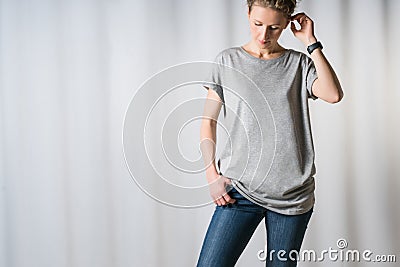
218,190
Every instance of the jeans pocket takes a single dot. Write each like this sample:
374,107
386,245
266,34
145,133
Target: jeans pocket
233,193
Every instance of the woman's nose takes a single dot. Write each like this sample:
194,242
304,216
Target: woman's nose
265,33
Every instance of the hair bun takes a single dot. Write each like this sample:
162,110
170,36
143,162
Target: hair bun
285,6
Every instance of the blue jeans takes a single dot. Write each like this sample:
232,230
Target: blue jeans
232,226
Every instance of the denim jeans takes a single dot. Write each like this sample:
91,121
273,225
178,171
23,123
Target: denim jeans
232,226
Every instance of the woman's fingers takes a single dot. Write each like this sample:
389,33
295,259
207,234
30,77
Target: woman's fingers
293,27
228,199
305,32
220,201
218,191
301,18
224,200
298,16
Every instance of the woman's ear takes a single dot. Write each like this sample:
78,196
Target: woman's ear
287,23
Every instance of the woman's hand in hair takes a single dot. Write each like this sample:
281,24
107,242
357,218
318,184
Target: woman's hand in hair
306,32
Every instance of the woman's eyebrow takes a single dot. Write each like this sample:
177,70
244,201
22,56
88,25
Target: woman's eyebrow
263,22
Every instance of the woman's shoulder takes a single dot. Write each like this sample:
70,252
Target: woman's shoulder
296,53
302,56
228,51
225,54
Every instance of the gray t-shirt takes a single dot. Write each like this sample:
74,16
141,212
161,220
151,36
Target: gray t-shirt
265,132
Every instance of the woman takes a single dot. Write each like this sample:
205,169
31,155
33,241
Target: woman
285,196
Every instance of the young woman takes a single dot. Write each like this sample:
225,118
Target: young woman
285,196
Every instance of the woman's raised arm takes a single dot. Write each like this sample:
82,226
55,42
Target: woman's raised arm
327,86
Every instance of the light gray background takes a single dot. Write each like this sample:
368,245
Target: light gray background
68,70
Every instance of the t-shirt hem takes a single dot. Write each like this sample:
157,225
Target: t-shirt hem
283,210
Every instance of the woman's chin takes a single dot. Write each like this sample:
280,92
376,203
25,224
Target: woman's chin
265,46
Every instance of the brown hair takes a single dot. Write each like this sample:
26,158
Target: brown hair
285,6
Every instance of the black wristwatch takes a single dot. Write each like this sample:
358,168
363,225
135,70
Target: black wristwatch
314,46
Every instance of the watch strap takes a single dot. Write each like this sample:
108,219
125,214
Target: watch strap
314,46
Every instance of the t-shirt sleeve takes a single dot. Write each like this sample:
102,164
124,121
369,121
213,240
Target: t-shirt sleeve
311,76
214,79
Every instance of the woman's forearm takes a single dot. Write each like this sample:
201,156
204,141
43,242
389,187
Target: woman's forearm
207,146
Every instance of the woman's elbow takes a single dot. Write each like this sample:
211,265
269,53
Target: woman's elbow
335,97
331,93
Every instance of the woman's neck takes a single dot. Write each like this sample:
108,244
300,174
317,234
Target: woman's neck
264,53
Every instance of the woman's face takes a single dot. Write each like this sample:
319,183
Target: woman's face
266,26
